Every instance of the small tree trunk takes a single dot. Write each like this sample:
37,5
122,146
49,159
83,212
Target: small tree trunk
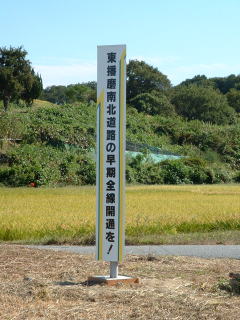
5,103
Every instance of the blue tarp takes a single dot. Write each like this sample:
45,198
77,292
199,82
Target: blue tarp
153,157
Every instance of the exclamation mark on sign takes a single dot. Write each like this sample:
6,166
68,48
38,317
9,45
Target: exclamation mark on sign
110,248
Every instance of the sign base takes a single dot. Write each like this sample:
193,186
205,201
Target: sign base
112,281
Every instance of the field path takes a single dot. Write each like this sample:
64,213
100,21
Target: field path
202,251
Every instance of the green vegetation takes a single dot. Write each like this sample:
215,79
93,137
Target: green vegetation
54,145
53,142
17,78
206,104
144,78
81,92
153,104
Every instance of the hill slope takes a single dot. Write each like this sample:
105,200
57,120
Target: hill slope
53,145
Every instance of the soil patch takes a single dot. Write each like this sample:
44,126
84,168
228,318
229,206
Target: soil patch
43,284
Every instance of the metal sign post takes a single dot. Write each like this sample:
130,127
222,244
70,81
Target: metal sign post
111,124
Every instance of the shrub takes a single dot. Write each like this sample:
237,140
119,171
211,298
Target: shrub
45,165
60,125
175,172
207,104
237,177
153,104
181,171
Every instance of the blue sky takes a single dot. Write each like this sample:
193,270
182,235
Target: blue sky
182,38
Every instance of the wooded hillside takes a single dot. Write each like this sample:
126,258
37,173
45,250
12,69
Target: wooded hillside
52,142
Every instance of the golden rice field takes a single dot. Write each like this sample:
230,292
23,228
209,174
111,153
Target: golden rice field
68,214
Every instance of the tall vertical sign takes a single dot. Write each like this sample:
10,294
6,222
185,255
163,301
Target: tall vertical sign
111,123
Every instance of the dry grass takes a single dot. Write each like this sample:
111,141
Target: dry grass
68,214
44,284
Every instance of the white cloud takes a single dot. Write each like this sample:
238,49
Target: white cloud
67,74
179,73
71,71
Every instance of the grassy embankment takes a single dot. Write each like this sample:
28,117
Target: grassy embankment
155,214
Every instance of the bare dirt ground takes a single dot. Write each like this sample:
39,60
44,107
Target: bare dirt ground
39,284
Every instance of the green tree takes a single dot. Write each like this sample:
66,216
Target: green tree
143,78
34,90
233,97
199,80
225,84
55,94
206,104
153,104
17,77
91,84
80,93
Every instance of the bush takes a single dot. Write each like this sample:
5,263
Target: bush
175,172
233,97
45,165
206,104
198,171
237,177
63,125
11,126
153,104
53,144
181,171
139,170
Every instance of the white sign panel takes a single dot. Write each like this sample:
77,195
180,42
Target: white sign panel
111,123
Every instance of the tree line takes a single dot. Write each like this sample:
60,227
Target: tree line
54,145
215,100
